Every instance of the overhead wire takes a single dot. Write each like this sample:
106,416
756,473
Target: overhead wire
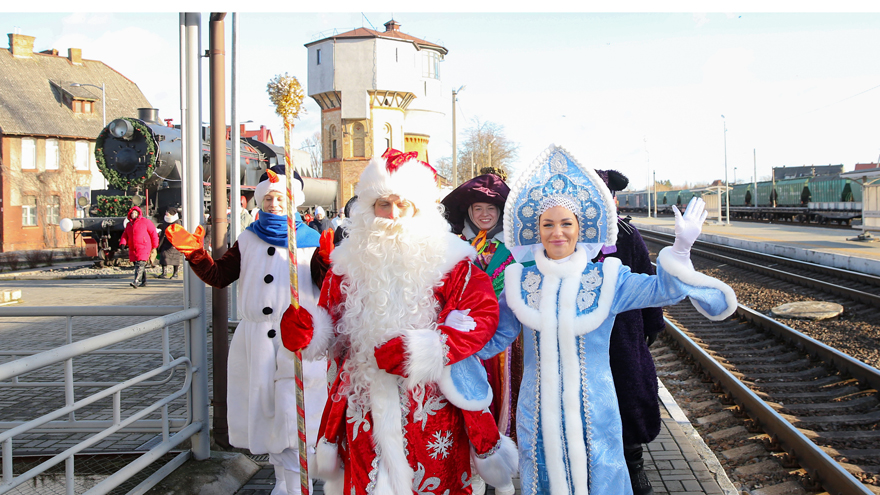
841,101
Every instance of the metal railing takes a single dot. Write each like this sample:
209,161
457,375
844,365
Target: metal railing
173,430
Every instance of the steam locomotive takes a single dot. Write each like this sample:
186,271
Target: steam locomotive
141,160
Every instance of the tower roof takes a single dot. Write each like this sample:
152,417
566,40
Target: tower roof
392,32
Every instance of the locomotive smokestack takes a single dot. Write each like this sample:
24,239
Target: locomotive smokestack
149,115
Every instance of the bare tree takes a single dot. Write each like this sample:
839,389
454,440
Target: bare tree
312,144
485,147
287,95
443,166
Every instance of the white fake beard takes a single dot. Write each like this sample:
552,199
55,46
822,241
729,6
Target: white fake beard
391,269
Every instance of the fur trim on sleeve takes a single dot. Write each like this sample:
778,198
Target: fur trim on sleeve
688,275
499,468
323,334
326,461
426,356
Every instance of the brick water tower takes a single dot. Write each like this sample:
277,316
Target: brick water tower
376,90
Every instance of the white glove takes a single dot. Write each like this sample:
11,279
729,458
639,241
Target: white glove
688,227
460,320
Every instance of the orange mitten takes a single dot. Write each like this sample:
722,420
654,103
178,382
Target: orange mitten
185,242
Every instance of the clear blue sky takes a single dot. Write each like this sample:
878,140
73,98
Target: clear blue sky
632,91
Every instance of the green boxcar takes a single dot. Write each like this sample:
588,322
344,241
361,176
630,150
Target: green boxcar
834,189
738,194
789,191
686,194
764,189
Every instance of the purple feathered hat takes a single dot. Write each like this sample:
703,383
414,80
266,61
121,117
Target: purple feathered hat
487,188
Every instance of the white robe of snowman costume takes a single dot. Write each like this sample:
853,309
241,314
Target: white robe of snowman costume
261,386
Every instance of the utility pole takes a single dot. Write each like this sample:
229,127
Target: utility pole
755,178
654,185
454,140
726,188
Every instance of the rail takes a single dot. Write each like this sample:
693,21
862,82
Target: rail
796,275
820,466
185,427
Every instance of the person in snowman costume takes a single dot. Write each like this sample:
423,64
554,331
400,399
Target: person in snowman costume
261,390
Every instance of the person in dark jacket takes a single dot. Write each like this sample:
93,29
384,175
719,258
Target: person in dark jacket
321,222
140,237
632,366
168,255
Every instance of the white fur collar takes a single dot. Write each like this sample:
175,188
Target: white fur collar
456,251
568,274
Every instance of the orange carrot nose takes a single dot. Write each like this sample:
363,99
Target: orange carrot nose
273,177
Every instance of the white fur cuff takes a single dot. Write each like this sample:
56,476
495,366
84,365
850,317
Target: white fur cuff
326,461
323,333
425,356
499,468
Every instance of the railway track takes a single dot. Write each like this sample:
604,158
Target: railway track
859,287
777,405
817,405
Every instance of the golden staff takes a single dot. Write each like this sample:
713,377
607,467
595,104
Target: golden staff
297,362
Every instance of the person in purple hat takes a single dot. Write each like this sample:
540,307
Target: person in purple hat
475,212
632,366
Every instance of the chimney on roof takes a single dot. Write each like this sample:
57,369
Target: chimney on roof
21,45
75,55
392,25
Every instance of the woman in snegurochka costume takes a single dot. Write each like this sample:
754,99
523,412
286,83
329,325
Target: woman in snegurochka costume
261,387
557,217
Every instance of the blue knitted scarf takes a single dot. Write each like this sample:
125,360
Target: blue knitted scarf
273,229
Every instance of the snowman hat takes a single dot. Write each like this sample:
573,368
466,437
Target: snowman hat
274,180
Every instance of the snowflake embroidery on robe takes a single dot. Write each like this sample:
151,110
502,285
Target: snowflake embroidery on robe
357,417
589,281
425,486
441,444
430,408
532,284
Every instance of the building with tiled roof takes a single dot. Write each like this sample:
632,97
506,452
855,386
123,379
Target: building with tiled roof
48,129
376,90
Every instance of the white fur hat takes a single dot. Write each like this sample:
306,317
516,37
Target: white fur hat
319,211
401,174
274,180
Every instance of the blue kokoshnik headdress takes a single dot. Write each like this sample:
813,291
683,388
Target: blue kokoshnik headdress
556,179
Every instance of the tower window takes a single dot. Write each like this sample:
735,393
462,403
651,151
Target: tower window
431,64
333,149
319,56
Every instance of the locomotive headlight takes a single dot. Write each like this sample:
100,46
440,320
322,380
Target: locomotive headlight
121,128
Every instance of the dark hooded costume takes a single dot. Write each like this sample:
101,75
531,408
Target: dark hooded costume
632,366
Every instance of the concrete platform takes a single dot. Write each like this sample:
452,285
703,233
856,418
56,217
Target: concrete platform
677,462
825,246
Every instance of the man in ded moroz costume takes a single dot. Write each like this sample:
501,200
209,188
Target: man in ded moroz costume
261,396
558,216
402,311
